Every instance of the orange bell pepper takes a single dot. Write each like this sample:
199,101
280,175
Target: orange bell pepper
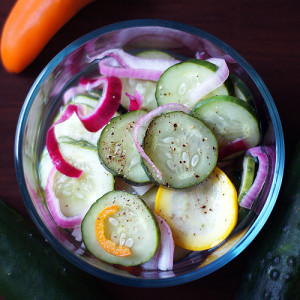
29,27
108,245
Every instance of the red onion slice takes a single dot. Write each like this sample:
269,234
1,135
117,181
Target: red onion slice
107,105
53,147
232,148
99,117
84,85
163,258
135,62
116,62
136,101
210,84
259,181
146,119
214,51
54,208
108,68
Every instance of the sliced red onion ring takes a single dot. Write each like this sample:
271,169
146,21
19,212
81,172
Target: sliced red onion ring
259,181
163,258
54,208
84,85
214,51
232,148
99,117
147,118
107,67
271,154
53,147
135,62
210,84
130,66
136,101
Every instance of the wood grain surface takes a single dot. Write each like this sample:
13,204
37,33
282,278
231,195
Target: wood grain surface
265,32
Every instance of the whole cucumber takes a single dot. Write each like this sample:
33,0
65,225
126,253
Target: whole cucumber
274,270
31,269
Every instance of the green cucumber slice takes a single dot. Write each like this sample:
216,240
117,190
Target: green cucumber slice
241,90
133,224
85,99
144,87
77,194
176,82
74,129
230,119
247,176
117,150
46,165
182,147
154,54
44,168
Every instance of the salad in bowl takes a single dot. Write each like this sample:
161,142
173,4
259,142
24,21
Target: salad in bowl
154,153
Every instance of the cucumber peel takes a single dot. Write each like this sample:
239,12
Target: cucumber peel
31,269
274,268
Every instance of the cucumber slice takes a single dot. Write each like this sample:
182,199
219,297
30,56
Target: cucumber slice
241,90
230,119
85,99
176,82
144,87
154,54
247,176
117,150
182,147
133,224
74,129
201,216
44,168
77,194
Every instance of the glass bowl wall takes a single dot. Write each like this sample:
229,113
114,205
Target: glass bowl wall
66,68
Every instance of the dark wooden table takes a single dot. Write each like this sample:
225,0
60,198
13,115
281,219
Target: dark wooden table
265,32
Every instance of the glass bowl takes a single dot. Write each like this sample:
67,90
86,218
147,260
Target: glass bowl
44,99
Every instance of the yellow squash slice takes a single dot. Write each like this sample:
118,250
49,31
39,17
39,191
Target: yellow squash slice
201,216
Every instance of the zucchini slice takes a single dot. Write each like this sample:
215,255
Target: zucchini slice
176,82
230,119
182,147
117,150
132,225
202,216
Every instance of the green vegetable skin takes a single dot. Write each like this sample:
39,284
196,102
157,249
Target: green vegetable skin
31,269
274,270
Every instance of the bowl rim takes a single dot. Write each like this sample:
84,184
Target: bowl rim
246,239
